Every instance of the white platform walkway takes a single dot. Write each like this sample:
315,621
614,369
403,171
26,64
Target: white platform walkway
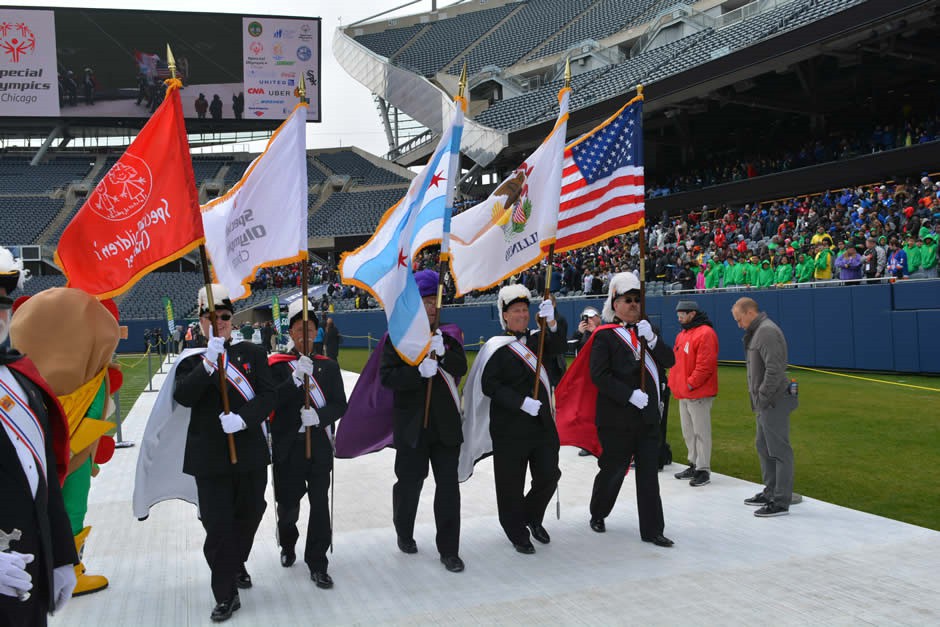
823,564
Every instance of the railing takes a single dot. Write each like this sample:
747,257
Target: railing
669,16
748,11
671,288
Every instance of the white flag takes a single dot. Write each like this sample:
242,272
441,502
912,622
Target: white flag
262,221
513,228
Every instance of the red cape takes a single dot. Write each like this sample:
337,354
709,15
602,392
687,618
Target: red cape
57,420
576,401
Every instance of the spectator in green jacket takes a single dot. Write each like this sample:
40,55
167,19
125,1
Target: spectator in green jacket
713,275
805,269
729,271
928,256
739,274
913,258
765,275
784,272
750,271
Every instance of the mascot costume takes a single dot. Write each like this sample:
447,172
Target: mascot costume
71,338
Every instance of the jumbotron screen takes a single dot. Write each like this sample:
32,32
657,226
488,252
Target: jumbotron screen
104,63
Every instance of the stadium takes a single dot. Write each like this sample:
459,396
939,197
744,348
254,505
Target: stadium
774,132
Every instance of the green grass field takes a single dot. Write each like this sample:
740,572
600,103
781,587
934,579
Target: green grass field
863,444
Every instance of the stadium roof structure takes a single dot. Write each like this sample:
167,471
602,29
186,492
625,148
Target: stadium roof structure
685,52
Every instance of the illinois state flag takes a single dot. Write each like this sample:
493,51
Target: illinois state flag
513,228
383,264
262,221
143,214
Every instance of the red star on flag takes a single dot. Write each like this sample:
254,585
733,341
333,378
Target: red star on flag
437,178
402,258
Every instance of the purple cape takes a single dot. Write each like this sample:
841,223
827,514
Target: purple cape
369,422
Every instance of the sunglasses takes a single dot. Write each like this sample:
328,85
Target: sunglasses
225,317
630,299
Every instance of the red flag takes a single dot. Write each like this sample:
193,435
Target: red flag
576,401
143,214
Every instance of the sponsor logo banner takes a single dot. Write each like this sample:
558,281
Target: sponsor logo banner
277,51
29,82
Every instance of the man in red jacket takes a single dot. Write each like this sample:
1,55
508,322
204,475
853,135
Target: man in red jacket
694,381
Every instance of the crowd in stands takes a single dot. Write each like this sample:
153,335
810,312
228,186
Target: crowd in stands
807,153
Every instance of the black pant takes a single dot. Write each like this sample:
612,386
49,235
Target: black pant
641,441
231,507
510,460
411,469
294,477
30,613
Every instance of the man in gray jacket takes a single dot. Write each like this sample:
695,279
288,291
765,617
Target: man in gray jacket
765,350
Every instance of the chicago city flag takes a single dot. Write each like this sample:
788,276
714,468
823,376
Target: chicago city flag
382,266
513,228
143,214
262,221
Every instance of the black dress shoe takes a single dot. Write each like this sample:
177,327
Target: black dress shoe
597,524
288,557
223,611
525,549
660,540
243,580
584,453
407,546
538,532
452,563
322,580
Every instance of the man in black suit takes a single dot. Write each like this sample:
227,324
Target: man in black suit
295,474
438,441
628,412
522,427
37,572
231,495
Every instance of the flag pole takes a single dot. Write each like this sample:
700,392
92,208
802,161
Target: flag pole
444,258
547,292
207,279
639,94
304,286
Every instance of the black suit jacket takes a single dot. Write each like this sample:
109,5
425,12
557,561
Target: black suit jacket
206,444
616,373
285,426
47,532
507,381
410,390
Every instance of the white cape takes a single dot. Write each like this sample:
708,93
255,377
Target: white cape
477,443
160,462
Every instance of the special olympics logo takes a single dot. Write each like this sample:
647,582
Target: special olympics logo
124,191
16,40
304,53
256,48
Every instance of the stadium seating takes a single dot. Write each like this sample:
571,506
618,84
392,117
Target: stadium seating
352,213
145,299
17,174
443,40
388,42
36,284
23,219
360,169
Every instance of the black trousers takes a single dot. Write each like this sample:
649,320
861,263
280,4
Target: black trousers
411,469
640,441
231,507
293,478
30,613
516,508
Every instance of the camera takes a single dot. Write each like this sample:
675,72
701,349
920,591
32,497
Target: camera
584,318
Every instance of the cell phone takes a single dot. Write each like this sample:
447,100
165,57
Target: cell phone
584,318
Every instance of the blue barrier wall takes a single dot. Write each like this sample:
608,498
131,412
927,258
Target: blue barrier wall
864,327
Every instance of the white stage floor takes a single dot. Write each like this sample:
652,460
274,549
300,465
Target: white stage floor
822,564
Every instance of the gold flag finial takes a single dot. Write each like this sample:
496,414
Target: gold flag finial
170,61
639,90
568,72
462,84
302,90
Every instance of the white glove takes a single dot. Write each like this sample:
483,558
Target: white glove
644,330
63,583
13,576
639,399
547,311
231,422
309,417
304,367
531,406
215,348
427,368
437,343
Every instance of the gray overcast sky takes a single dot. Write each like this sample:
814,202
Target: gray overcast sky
349,114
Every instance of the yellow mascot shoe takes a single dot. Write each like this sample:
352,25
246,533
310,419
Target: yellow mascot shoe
86,584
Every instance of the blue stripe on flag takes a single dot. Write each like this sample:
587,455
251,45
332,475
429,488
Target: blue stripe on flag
402,317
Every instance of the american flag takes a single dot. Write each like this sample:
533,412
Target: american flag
602,187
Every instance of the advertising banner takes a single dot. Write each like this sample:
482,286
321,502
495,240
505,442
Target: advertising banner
28,83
